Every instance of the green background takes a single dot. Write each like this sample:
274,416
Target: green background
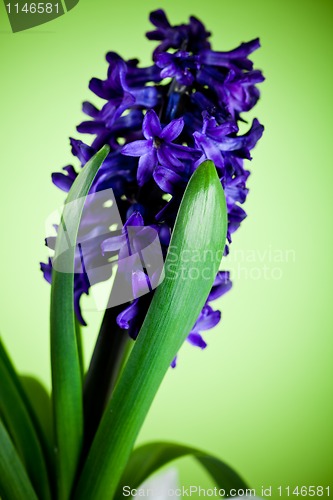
260,396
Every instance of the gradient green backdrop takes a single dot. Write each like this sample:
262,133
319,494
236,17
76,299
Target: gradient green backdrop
260,396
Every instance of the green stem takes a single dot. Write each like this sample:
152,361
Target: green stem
105,364
79,346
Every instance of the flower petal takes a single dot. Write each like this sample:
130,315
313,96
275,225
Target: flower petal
172,130
166,158
47,270
62,181
137,148
207,320
113,244
159,19
146,166
151,126
196,340
167,179
174,362
222,285
140,283
127,315
90,110
135,219
210,149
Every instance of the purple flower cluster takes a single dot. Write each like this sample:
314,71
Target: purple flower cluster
161,122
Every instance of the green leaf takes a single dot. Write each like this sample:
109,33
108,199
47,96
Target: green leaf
66,369
24,426
79,346
150,457
104,368
191,265
41,402
21,428
14,482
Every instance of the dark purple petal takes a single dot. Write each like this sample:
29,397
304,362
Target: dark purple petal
199,35
222,278
210,150
243,144
164,59
137,207
90,110
140,76
96,86
135,219
168,72
91,127
164,234
168,180
253,135
159,19
81,286
193,34
196,340
236,57
81,150
62,181
113,58
244,50
222,285
172,130
146,166
77,308
145,97
177,66
151,126
236,190
137,148
235,216
215,131
47,270
207,319
128,314
248,78
167,158
184,152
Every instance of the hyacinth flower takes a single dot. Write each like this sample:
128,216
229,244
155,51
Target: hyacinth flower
167,156
169,129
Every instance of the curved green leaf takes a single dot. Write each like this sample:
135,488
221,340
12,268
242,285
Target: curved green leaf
46,441
25,387
66,370
14,482
191,265
23,433
150,457
41,402
105,365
